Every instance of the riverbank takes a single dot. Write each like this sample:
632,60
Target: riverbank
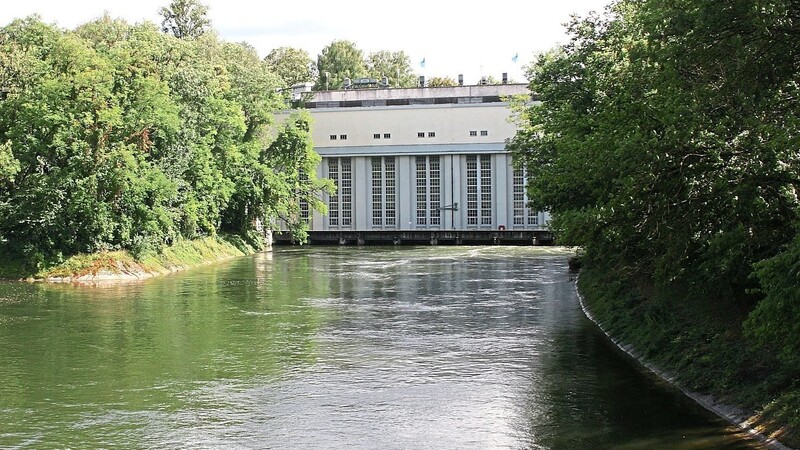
119,266
699,348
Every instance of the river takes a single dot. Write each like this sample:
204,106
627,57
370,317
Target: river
324,347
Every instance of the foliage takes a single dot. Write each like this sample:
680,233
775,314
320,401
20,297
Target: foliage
396,66
775,322
185,19
337,61
665,145
699,344
9,166
292,65
119,137
441,82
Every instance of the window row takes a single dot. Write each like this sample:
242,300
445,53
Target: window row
420,134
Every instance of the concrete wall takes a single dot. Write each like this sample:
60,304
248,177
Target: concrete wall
451,124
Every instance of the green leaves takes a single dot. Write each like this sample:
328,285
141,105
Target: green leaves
116,136
647,124
666,145
9,166
185,19
292,65
339,60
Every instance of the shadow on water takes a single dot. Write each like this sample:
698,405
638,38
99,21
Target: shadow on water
593,395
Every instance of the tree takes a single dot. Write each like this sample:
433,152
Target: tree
292,65
118,136
665,145
337,61
396,66
185,19
656,145
441,82
9,166
284,176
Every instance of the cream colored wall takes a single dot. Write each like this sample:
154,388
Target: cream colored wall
451,123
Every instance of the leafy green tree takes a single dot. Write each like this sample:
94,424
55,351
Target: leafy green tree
275,180
665,145
118,136
185,19
9,166
639,145
337,61
441,82
396,66
775,322
292,65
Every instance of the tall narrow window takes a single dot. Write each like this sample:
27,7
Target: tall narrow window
434,191
422,191
390,200
304,207
347,192
486,190
340,204
472,190
479,190
429,191
333,201
383,192
377,191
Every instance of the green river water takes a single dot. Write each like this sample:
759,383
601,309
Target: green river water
327,347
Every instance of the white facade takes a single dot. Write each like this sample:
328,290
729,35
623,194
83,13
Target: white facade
420,159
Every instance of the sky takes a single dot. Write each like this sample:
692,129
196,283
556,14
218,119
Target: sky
475,38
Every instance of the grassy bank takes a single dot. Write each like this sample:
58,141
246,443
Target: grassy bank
123,265
700,343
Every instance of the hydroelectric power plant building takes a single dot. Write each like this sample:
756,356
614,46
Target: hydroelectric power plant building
420,165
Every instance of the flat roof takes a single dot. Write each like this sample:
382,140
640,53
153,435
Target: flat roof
343,98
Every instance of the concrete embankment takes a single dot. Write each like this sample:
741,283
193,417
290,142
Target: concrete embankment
747,422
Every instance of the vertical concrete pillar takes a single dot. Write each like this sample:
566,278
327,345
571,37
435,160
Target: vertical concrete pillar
500,188
406,213
460,191
362,173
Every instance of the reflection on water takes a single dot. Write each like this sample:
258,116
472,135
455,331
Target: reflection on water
435,347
